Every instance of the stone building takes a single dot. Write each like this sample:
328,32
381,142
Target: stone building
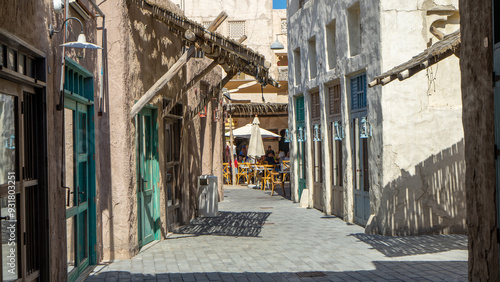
102,148
479,62
389,158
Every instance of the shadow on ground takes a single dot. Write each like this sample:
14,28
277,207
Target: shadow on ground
396,246
384,270
241,224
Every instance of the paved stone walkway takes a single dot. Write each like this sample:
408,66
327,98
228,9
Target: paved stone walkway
264,238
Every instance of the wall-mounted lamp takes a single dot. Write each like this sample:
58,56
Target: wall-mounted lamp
277,45
301,135
288,136
10,143
365,128
203,112
317,133
81,41
338,131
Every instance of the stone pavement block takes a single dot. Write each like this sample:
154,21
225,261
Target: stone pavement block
298,240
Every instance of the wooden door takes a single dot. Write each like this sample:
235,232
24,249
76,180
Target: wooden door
360,173
79,174
301,145
336,156
147,177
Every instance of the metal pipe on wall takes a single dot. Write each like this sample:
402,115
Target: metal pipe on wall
103,55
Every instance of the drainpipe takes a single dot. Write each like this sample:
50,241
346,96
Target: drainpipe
60,107
103,55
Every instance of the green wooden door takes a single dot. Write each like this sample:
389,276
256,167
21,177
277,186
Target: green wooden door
79,180
301,144
79,148
147,176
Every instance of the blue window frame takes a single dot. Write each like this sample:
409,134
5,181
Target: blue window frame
358,92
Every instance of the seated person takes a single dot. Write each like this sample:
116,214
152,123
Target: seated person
270,150
270,159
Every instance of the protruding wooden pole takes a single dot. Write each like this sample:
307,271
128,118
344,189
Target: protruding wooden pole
162,82
217,22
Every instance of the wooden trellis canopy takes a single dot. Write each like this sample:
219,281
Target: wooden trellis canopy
231,55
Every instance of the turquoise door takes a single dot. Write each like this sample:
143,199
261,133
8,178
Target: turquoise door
147,169
360,150
301,144
79,169
79,181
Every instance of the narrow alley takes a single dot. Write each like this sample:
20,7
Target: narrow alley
262,238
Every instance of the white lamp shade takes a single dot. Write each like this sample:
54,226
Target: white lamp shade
81,43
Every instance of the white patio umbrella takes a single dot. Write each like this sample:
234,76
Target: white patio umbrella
246,131
256,146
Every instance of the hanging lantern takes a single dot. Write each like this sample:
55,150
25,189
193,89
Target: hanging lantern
288,136
317,133
301,136
216,114
203,112
365,129
216,110
338,131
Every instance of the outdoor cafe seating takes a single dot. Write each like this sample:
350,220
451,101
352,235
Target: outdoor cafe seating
244,172
226,173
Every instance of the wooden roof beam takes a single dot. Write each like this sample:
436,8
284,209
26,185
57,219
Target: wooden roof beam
188,86
217,22
162,82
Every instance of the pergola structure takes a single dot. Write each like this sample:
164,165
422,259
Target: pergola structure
447,46
231,55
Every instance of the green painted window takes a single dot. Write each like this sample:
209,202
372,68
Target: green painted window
358,92
78,81
300,110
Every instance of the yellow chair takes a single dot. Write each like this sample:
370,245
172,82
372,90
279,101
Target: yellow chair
243,170
285,169
267,175
226,173
275,180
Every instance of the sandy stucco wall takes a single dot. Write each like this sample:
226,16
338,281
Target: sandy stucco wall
140,50
29,20
202,137
421,188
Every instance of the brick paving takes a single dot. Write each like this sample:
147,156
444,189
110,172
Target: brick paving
262,238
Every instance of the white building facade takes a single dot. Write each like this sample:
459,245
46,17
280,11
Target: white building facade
389,158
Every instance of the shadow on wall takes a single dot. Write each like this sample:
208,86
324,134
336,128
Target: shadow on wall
389,270
244,224
432,201
413,245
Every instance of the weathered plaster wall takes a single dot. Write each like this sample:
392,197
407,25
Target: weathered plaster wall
307,23
140,50
204,139
476,63
422,185
29,20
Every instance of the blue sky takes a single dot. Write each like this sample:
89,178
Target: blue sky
279,4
